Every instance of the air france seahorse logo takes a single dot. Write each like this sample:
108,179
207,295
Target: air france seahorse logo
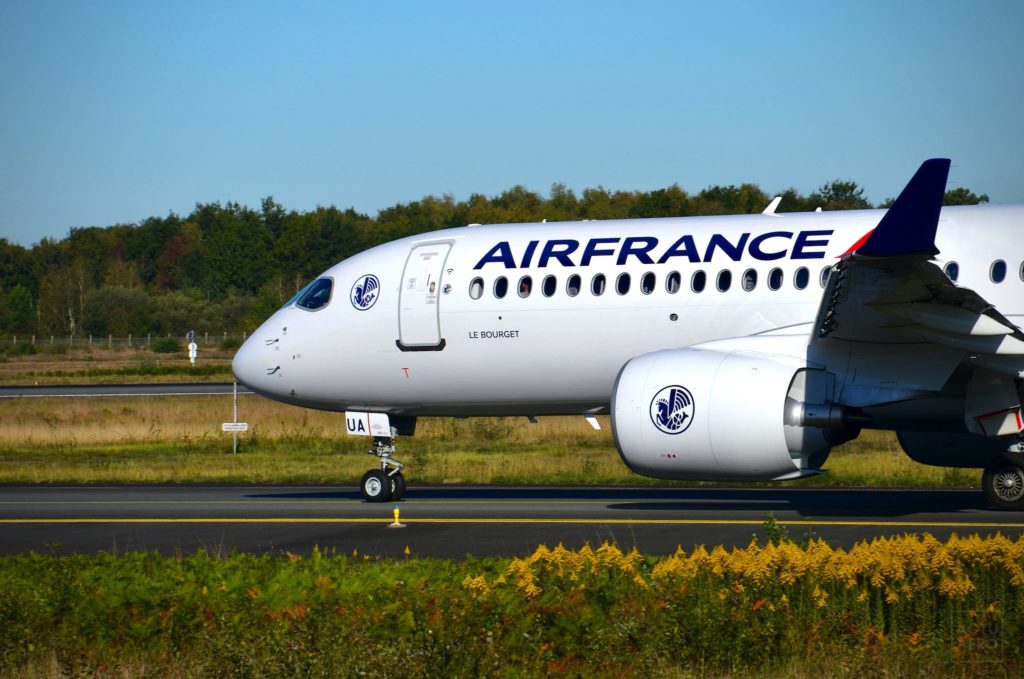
364,292
672,409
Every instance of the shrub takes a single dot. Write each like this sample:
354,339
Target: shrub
230,343
902,606
167,345
20,349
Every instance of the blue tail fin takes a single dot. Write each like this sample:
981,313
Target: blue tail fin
908,228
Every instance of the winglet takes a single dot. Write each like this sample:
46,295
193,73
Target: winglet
770,210
908,228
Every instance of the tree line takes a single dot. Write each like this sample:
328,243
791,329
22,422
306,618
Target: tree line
225,268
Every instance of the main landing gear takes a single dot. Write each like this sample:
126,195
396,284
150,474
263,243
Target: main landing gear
1003,482
386,483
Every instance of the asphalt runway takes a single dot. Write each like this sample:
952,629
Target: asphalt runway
456,521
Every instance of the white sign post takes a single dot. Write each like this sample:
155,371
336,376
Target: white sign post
235,426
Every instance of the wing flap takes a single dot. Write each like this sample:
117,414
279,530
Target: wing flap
946,318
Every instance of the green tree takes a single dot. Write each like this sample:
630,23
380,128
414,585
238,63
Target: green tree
175,313
478,210
62,293
963,196
730,200
597,204
670,202
238,248
793,201
273,214
16,266
519,205
117,311
145,244
18,315
840,195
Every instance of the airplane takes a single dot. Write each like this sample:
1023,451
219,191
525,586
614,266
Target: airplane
728,348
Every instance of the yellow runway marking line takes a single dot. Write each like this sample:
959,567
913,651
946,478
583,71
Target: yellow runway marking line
651,522
268,500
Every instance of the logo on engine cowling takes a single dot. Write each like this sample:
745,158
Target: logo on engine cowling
672,409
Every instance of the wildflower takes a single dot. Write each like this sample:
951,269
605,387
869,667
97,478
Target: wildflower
820,596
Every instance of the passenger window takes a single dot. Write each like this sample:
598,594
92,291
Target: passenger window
952,270
500,287
572,286
775,279
597,285
647,283
318,294
998,271
699,281
724,280
476,288
672,282
622,283
823,278
525,286
550,285
749,280
801,278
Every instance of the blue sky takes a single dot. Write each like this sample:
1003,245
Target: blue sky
116,111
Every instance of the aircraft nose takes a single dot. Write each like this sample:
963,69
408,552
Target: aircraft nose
246,365
257,363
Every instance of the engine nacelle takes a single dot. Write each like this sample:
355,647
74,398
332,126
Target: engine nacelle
704,414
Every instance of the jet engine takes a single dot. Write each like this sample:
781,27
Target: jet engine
709,414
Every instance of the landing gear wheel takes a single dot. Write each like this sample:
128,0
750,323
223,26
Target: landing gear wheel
397,486
375,486
386,483
1003,482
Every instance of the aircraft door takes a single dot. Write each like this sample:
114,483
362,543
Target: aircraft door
419,325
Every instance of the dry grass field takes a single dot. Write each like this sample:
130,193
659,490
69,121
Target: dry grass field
59,364
178,439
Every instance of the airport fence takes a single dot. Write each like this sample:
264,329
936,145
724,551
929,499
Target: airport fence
205,339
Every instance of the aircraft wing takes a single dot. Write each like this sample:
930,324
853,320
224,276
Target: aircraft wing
893,318
886,289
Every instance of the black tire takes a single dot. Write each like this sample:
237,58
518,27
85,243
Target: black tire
375,486
397,486
1003,483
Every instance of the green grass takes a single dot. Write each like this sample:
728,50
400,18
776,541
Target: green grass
330,459
143,370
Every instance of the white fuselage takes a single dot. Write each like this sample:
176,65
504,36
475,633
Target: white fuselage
437,340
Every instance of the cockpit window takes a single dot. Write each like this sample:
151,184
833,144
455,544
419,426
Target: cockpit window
316,295
298,294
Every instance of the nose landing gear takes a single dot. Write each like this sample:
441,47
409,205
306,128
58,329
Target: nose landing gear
386,483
